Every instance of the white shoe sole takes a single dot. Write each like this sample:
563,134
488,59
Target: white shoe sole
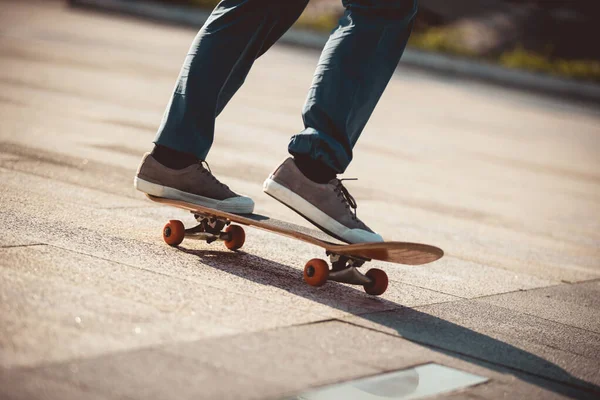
316,216
235,205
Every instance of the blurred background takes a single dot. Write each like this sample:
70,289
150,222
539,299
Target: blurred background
556,37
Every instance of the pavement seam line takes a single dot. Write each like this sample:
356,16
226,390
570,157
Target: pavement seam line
468,356
518,312
157,346
552,321
533,316
586,281
547,320
431,290
499,266
23,245
12,170
400,307
516,291
482,298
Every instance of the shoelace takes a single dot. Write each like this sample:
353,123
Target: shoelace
206,170
345,196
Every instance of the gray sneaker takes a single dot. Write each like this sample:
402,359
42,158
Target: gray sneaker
194,184
329,206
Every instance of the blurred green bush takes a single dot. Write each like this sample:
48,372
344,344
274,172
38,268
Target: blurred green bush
578,69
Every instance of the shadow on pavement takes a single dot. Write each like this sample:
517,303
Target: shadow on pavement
433,332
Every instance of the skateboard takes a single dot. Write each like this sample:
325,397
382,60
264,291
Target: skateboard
345,259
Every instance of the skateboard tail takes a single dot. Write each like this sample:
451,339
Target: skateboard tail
395,252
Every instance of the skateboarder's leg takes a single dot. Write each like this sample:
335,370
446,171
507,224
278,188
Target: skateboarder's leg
237,32
284,14
353,71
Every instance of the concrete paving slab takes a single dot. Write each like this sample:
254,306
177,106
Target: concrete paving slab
521,328
117,305
333,346
26,385
482,241
152,374
45,321
334,340
465,279
269,357
278,363
500,336
537,389
67,174
576,305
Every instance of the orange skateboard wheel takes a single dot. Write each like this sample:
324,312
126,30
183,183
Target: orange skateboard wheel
316,272
238,237
173,232
379,284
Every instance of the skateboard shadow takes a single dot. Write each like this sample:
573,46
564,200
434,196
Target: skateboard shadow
435,333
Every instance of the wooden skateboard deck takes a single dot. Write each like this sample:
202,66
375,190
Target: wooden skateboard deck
344,258
394,252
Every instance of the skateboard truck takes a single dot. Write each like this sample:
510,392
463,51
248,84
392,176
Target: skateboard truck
199,232
344,268
340,262
209,229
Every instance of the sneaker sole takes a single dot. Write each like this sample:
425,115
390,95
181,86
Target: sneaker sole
316,216
235,205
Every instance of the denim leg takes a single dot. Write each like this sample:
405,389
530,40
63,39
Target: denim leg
283,14
355,67
221,55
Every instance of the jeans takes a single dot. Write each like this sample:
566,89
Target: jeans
354,68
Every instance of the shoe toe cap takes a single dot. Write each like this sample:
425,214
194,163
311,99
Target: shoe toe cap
238,205
363,236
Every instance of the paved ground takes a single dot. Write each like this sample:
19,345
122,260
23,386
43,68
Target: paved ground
94,305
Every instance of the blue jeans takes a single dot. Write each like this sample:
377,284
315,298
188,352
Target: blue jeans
353,71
